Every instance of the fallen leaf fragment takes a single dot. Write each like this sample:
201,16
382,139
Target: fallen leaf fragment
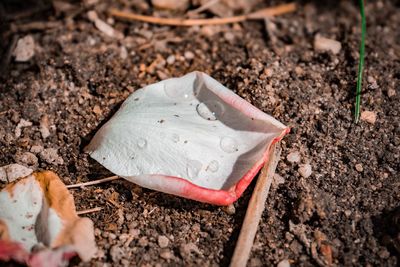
189,136
37,213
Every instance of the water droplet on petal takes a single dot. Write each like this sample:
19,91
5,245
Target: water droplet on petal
193,168
213,166
141,143
228,144
210,110
175,138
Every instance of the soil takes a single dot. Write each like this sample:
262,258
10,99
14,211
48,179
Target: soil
347,212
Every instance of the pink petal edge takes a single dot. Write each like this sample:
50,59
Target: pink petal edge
181,187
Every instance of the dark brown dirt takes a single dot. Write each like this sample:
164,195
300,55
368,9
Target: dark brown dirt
79,77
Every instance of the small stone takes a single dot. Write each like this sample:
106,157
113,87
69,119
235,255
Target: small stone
229,36
268,72
11,172
187,249
230,209
92,15
97,110
123,53
143,241
170,59
298,70
50,156
391,92
347,213
116,253
112,236
284,263
36,149
134,232
305,170
44,127
359,167
163,241
27,158
189,55
171,4
325,44
97,232
371,80
22,123
25,49
293,157
167,255
368,116
278,180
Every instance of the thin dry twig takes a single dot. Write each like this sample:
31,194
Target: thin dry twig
202,8
111,178
255,210
89,211
261,14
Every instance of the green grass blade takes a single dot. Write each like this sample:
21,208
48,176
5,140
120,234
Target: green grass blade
361,63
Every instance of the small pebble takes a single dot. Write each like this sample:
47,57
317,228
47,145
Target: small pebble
27,158
359,167
112,236
187,249
167,255
163,241
325,44
143,241
305,170
371,80
189,55
293,157
391,92
36,149
123,53
229,36
22,123
230,209
97,110
116,253
25,49
44,127
278,180
170,59
368,116
50,156
170,4
284,263
11,172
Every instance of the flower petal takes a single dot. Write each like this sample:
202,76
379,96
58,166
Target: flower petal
187,136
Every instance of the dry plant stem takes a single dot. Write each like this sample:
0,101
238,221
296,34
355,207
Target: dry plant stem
267,12
204,7
89,211
255,210
111,178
